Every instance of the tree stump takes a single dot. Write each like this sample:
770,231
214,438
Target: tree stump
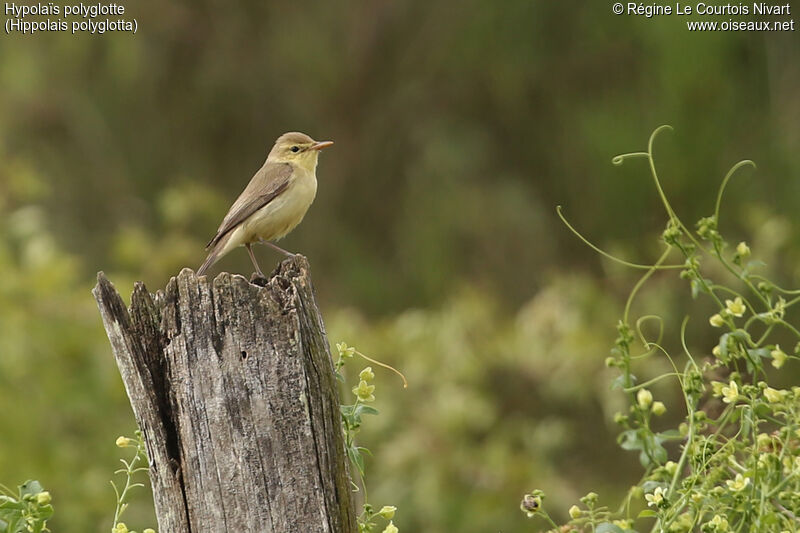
232,385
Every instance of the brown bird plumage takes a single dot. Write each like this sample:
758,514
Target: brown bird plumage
274,202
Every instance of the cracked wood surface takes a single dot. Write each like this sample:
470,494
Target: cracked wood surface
232,386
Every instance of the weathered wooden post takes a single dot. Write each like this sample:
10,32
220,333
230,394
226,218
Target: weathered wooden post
232,385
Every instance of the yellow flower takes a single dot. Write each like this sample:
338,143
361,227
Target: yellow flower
716,320
575,512
730,393
763,440
671,467
644,398
773,395
736,307
345,352
149,530
387,511
738,484
716,351
624,524
124,442
659,408
391,528
120,528
778,356
367,374
364,391
719,523
716,388
742,250
43,498
655,499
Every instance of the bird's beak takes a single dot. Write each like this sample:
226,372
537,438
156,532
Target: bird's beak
319,145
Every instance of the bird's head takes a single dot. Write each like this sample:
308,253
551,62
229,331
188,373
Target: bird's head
298,149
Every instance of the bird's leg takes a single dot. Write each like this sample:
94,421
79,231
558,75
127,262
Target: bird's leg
276,247
253,259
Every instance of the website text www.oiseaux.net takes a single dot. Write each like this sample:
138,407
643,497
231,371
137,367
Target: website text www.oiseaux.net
740,10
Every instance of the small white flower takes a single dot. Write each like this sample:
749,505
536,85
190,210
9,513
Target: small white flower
736,307
730,393
738,484
656,498
778,356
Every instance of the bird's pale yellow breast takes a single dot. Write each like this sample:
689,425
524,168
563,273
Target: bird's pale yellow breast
282,214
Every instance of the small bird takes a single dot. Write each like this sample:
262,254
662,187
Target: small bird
273,203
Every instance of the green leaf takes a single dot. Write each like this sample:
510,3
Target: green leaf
650,486
31,487
629,440
361,449
755,263
367,410
759,352
357,459
11,503
608,527
15,523
46,512
647,513
670,434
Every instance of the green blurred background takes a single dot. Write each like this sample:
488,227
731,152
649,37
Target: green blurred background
434,242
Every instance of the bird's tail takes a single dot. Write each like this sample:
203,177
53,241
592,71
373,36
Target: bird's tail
217,251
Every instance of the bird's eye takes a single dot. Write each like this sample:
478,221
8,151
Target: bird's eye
295,149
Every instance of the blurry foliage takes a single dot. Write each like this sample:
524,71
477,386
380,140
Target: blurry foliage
458,127
736,456
494,401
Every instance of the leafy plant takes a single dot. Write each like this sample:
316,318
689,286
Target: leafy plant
351,424
25,510
737,466
130,471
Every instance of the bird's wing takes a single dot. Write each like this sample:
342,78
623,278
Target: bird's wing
267,184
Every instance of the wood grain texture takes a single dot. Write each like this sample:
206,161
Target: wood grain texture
232,385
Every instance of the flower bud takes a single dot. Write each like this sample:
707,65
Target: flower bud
387,511
644,398
742,250
367,374
773,395
778,357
